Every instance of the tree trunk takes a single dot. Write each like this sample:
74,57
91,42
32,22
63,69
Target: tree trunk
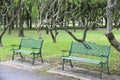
109,21
30,17
7,25
47,30
21,20
3,31
109,33
1,35
113,41
20,23
74,25
74,37
51,32
27,19
9,29
1,42
21,32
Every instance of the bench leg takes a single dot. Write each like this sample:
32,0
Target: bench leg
13,55
63,64
33,59
41,57
21,56
108,68
71,64
101,71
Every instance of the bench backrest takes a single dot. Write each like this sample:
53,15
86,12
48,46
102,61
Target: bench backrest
90,48
31,43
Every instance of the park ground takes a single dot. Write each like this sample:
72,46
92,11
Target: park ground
51,51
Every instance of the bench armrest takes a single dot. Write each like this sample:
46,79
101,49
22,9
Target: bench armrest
13,46
35,48
64,51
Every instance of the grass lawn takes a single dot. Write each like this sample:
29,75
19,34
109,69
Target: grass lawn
51,51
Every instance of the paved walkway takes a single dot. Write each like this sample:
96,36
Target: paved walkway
17,70
12,73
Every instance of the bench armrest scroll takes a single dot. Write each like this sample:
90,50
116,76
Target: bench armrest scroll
64,51
13,46
34,48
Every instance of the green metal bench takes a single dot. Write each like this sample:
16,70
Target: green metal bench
89,49
28,46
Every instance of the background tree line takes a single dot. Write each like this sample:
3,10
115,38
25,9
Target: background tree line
52,15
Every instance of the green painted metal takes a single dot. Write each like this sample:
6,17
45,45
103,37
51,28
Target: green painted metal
28,46
89,49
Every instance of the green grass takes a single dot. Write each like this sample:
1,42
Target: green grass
51,51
